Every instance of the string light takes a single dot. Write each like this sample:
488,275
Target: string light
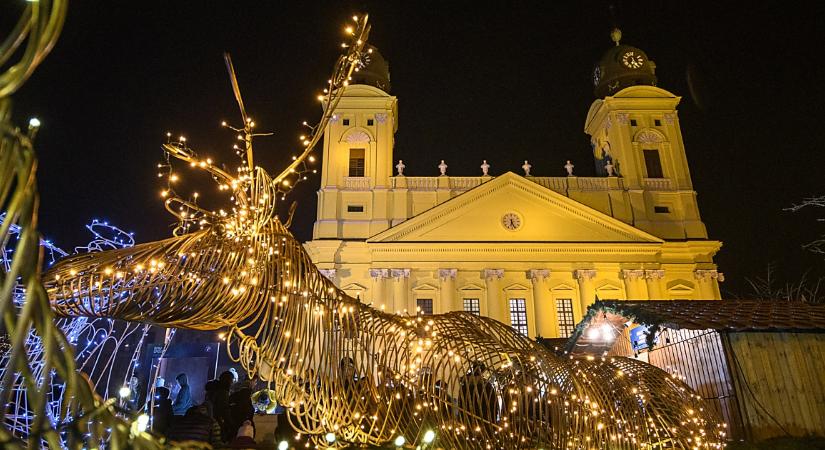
346,372
91,338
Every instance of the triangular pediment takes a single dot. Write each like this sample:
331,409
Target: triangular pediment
511,208
354,287
471,287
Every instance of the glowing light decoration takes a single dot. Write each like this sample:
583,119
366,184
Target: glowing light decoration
348,373
85,419
98,343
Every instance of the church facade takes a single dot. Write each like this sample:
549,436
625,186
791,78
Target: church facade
530,251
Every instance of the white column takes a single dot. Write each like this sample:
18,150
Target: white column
495,305
654,284
587,291
633,280
379,288
448,297
707,281
546,315
400,289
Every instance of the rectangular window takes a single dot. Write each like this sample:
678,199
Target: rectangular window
632,122
564,307
661,209
355,208
425,306
356,162
518,315
653,164
472,306
346,122
657,122
370,122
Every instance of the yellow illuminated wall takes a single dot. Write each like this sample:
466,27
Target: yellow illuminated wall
553,244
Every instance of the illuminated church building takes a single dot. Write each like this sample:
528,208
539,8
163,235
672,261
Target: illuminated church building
530,251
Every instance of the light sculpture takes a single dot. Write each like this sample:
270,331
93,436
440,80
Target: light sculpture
342,367
98,343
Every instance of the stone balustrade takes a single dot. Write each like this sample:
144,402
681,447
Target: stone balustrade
558,184
357,183
657,184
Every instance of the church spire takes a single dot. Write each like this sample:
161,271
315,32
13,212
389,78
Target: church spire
616,35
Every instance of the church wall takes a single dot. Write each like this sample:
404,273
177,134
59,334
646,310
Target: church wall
392,279
561,257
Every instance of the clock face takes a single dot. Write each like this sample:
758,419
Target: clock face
364,61
597,75
511,221
633,60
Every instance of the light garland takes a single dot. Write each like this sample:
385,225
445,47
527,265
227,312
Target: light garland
98,343
346,372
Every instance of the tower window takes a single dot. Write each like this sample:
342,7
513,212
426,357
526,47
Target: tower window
425,306
564,307
653,164
518,315
661,209
471,305
355,208
632,122
356,162
657,122
346,122
370,122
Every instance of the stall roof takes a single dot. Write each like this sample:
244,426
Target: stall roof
719,315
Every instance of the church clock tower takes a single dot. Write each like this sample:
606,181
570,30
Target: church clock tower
353,202
634,130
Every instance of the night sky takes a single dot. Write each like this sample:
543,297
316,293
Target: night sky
506,82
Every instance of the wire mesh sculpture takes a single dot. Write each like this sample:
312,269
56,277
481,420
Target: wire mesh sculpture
348,373
100,345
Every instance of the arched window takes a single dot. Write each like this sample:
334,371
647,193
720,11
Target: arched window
652,144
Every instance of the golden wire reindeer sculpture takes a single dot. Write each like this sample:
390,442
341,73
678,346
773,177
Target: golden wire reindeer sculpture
348,373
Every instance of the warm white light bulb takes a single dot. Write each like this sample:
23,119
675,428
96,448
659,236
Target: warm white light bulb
330,437
283,445
429,436
142,422
400,441
124,392
34,122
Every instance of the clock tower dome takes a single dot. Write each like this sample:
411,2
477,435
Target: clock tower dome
622,66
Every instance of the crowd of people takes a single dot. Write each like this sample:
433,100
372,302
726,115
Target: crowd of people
225,419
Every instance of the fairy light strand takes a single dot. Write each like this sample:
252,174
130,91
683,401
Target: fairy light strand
347,372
